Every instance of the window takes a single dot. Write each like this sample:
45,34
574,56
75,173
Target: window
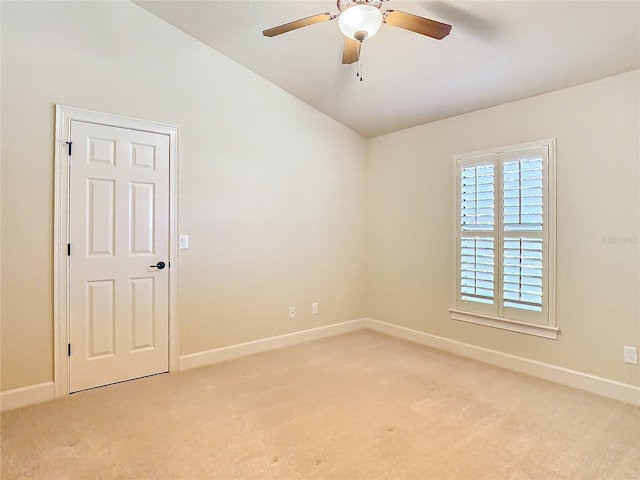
505,238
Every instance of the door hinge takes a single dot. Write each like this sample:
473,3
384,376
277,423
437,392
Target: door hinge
68,349
68,249
69,143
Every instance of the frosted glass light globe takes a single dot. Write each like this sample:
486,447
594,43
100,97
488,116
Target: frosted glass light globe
360,21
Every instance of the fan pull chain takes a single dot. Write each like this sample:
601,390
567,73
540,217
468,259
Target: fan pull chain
359,67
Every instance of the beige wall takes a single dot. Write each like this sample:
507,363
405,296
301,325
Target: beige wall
410,223
270,190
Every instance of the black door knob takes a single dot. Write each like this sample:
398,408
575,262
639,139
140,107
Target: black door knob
159,265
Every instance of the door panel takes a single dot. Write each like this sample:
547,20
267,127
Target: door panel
142,218
101,318
119,228
101,217
142,295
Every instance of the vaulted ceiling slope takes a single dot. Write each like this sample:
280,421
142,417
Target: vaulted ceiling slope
497,52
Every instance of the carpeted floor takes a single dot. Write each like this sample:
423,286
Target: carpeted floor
357,406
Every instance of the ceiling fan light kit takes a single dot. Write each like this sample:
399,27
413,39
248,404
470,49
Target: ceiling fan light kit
361,19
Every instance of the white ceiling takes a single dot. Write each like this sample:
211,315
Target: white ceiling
497,52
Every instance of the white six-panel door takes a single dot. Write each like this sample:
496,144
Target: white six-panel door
118,231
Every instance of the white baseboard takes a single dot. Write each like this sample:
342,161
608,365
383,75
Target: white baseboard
42,392
209,357
572,378
23,396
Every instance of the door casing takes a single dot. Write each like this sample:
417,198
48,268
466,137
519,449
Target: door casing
64,116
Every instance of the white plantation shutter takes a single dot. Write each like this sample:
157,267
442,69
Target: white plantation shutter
523,192
523,269
478,200
477,231
476,283
504,234
522,281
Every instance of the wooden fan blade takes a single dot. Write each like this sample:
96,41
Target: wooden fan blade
303,22
351,51
424,26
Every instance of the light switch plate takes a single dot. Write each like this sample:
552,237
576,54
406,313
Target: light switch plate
630,355
184,242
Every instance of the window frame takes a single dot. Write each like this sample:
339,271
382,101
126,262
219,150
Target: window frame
541,324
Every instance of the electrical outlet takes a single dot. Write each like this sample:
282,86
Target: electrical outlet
292,312
314,308
630,355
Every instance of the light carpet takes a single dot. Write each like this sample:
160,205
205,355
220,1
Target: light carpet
357,406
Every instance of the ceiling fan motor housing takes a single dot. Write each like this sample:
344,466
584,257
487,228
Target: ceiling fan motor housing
344,4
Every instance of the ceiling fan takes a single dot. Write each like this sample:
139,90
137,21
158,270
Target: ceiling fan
361,19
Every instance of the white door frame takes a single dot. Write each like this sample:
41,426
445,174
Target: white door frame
64,116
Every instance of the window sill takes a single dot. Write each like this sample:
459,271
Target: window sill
528,328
